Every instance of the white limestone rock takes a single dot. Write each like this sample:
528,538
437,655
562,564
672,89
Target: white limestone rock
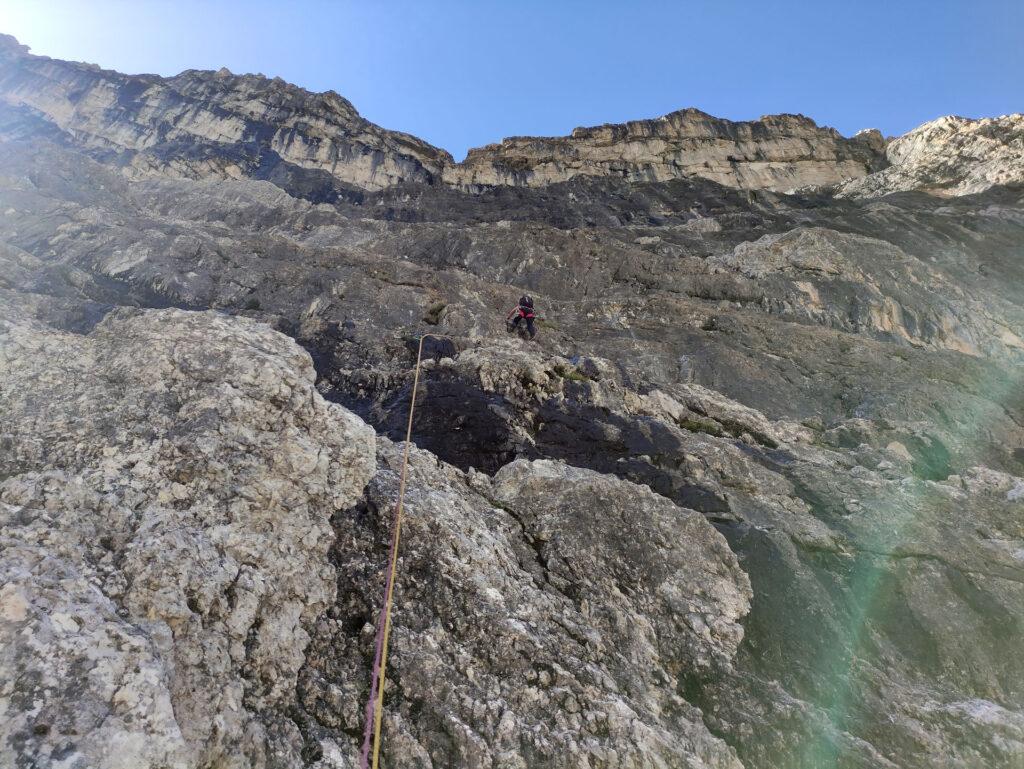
948,157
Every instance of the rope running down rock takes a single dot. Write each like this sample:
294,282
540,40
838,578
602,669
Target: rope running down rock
375,704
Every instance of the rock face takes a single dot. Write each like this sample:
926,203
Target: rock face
950,156
752,498
778,152
200,124
216,124
539,624
168,485
831,277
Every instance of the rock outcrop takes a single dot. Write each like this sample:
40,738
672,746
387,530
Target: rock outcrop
539,624
752,498
832,279
201,124
166,499
950,156
844,548
168,483
778,152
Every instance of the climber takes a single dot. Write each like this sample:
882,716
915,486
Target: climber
523,311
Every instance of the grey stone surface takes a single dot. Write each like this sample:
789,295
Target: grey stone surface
168,482
829,381
546,618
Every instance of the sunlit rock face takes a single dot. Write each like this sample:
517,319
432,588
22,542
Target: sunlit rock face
214,124
218,124
950,156
751,498
778,152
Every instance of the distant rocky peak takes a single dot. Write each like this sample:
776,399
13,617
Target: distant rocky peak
10,45
234,90
317,146
871,137
776,152
950,156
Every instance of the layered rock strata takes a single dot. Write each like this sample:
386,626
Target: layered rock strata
201,124
777,152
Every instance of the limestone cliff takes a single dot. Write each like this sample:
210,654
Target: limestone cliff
216,124
778,152
201,124
950,156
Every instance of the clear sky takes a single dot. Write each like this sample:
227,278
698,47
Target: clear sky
462,73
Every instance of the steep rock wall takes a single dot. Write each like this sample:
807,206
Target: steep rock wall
199,124
777,152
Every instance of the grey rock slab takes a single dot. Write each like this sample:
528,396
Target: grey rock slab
168,484
519,642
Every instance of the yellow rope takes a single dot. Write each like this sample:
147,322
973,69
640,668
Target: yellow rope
378,711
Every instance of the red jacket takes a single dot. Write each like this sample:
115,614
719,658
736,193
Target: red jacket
524,312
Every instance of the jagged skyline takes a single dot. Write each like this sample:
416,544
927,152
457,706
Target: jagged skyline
457,75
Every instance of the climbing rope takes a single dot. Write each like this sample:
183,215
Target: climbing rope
375,704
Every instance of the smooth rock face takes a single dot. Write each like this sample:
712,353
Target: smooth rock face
168,482
831,383
831,278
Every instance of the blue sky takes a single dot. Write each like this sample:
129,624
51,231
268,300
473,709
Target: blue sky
462,73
